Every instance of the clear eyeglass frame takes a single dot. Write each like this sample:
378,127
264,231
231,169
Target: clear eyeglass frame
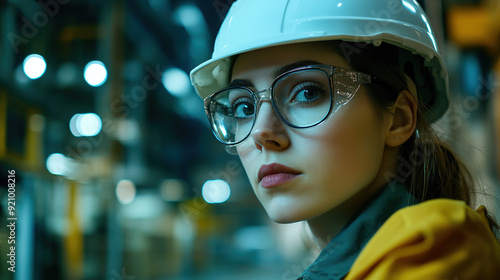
342,86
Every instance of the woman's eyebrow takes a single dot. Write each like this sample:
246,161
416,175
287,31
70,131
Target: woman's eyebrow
241,83
276,73
291,66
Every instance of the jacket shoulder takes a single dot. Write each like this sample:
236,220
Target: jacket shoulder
436,239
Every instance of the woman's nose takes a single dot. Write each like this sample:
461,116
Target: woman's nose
269,131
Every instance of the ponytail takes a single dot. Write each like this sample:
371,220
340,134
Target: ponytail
439,173
435,171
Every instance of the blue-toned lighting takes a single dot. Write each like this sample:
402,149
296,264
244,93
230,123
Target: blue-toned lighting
172,190
176,81
215,191
34,66
95,73
429,29
424,18
409,7
87,125
222,130
471,71
188,15
143,206
58,164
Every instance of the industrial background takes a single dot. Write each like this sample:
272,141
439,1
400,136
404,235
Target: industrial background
117,175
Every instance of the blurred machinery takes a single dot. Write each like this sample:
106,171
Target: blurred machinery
475,29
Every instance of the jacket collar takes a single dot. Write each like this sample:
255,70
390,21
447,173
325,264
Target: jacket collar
335,261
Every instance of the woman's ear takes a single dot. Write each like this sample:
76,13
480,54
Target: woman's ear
403,119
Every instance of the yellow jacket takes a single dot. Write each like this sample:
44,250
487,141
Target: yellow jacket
438,239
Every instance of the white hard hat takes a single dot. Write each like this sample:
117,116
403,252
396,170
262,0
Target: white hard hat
256,24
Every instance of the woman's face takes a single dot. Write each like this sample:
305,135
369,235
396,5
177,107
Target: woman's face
300,174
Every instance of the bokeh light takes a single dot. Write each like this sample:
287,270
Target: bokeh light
95,73
125,191
34,66
215,191
58,164
176,81
172,190
87,125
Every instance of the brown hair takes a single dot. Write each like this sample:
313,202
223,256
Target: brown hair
430,169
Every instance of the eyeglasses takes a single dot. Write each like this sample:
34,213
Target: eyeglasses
302,97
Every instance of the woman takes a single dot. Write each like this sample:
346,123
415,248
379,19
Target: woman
328,105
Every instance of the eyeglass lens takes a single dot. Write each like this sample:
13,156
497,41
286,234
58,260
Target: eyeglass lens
301,98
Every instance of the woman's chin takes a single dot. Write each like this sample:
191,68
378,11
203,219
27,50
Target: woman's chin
286,220
286,217
285,210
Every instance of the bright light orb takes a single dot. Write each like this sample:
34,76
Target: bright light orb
176,81
215,191
125,191
95,73
189,15
58,164
34,66
87,125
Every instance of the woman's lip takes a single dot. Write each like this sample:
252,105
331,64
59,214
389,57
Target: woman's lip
277,179
275,174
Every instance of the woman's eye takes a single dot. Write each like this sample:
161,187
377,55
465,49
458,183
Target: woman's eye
306,93
241,103
243,108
